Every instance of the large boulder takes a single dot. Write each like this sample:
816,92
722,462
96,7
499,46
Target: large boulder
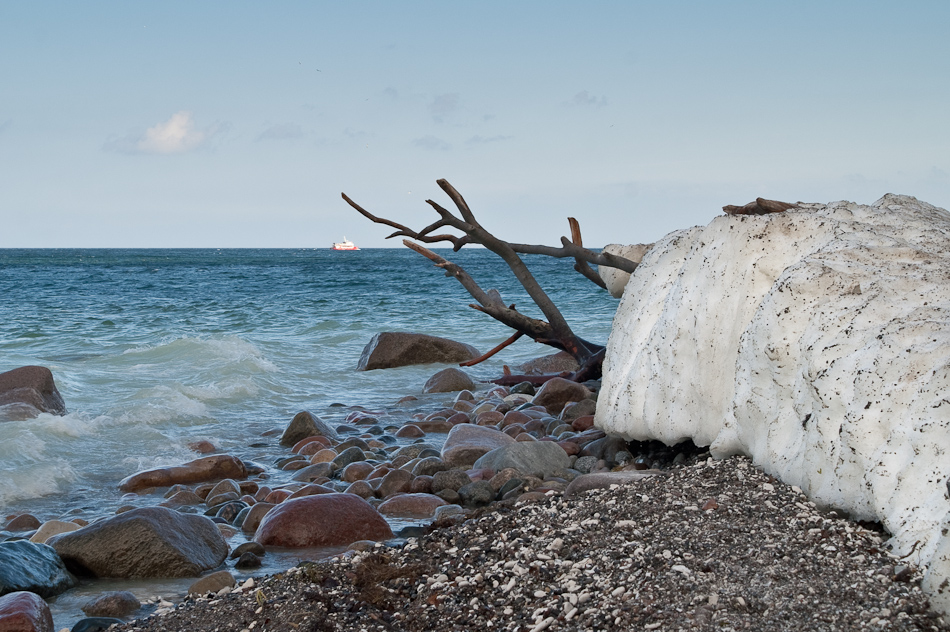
24,612
209,468
390,349
324,520
304,425
465,443
28,391
145,542
449,381
537,458
37,568
817,341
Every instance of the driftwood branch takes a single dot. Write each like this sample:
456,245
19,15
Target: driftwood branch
554,331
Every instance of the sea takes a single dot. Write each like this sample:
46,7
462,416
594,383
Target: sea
153,349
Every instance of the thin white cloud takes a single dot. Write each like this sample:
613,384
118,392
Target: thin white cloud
481,140
282,131
177,135
432,143
444,105
584,98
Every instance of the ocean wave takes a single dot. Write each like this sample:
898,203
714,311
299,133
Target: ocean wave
202,352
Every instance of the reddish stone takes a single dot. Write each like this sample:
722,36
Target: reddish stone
410,431
277,496
514,430
356,471
421,485
248,500
411,506
489,418
361,489
24,611
514,417
324,456
459,418
310,490
395,482
324,520
583,423
202,447
28,391
207,468
467,442
249,487
379,472
23,522
262,493
316,443
570,447
558,391
436,425
524,436
712,503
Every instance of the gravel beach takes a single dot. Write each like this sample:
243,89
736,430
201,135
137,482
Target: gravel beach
705,545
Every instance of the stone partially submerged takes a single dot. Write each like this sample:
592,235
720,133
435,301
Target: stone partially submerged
27,392
816,341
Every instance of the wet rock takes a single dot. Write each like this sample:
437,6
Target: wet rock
357,471
410,431
555,393
95,624
421,485
310,490
33,567
394,482
181,499
24,612
411,506
324,520
393,349
248,547
23,522
605,479
255,516
313,472
448,381
311,447
325,455
212,583
540,458
117,603
489,418
248,561
523,388
50,528
305,424
202,447
467,442
606,448
28,391
145,542
554,363
207,468
347,456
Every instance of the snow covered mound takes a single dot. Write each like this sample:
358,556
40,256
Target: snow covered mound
816,341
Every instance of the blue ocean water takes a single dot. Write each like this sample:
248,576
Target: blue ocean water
153,349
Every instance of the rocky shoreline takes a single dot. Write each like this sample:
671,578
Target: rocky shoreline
528,519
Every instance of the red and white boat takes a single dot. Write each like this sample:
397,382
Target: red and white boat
344,245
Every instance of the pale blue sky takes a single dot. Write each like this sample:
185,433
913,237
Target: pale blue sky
238,124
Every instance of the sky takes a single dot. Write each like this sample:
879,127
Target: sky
238,124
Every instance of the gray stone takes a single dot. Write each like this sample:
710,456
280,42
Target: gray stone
539,458
306,424
449,479
350,455
144,542
555,363
95,624
33,567
585,464
429,466
212,583
393,349
449,381
476,494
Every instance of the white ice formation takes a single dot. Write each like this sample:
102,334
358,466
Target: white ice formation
816,341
